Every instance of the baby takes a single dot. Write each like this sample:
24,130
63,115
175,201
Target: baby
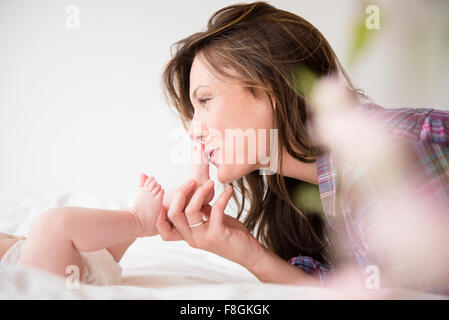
92,240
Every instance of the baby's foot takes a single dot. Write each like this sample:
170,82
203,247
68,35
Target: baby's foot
148,205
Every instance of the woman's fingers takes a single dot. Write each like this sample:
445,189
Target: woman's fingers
176,210
193,209
206,209
199,164
166,231
209,196
217,212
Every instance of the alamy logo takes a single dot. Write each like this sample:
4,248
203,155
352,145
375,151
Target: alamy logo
373,278
72,21
372,21
259,150
73,280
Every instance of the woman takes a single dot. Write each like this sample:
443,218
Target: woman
245,72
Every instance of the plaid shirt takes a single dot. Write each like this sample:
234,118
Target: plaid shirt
427,133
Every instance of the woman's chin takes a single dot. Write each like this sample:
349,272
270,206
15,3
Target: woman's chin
229,173
223,177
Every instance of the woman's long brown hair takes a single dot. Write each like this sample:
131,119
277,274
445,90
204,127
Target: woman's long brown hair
267,47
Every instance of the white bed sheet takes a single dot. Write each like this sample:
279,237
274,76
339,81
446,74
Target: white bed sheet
152,268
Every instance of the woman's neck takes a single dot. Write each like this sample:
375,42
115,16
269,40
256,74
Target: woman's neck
299,170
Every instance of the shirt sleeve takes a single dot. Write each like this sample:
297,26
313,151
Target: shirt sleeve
313,267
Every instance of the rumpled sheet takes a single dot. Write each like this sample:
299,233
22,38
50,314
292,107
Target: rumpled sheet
152,268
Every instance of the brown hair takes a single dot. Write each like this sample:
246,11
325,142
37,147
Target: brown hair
267,47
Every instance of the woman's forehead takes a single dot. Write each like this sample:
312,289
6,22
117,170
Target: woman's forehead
200,74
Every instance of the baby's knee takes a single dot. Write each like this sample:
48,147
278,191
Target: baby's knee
51,222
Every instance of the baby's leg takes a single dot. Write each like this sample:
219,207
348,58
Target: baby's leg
117,251
146,207
58,235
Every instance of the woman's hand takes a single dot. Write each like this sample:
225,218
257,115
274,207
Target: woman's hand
199,171
223,235
187,205
220,234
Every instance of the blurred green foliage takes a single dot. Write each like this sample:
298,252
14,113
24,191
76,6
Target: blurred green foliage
304,79
362,37
306,197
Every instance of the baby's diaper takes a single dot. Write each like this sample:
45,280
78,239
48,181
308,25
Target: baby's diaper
11,257
99,267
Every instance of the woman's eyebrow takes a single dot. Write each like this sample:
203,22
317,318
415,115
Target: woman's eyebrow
194,91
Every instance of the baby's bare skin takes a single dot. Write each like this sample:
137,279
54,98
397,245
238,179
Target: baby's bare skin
145,211
59,234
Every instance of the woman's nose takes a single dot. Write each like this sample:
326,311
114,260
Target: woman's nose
196,132
197,138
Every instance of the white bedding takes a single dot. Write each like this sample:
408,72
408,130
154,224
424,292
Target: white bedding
152,268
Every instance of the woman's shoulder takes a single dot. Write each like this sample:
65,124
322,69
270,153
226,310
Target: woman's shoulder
424,124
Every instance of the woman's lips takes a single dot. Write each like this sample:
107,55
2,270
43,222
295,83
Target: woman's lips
213,155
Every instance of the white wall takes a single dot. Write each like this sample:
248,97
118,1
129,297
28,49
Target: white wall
82,110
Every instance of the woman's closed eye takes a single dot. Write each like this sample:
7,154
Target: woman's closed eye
203,101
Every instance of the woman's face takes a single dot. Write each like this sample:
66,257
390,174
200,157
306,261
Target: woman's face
230,121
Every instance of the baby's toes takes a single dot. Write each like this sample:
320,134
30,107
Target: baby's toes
160,194
148,182
150,186
156,189
142,179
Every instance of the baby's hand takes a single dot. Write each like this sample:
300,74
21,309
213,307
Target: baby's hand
148,205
